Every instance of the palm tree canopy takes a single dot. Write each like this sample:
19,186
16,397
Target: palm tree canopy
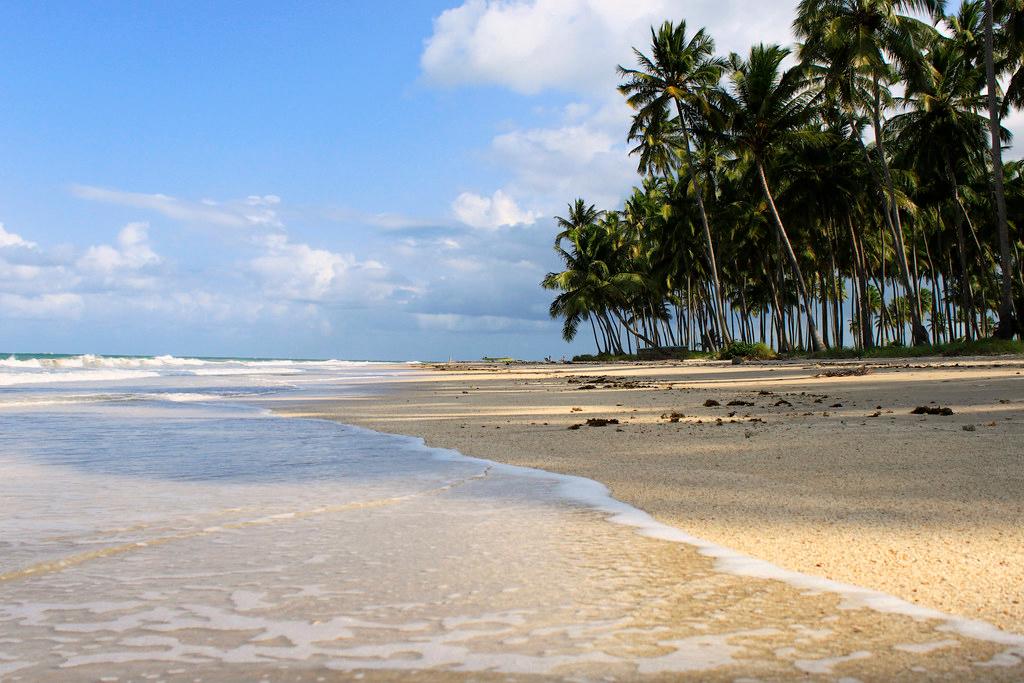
680,70
766,105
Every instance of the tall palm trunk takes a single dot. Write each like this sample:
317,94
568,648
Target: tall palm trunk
892,219
1007,316
812,329
594,328
867,332
709,245
633,330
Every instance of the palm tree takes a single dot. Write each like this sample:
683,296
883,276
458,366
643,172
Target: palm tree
1007,318
659,142
1010,44
768,109
580,218
681,72
942,135
599,278
860,37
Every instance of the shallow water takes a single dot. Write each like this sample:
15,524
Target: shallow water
167,527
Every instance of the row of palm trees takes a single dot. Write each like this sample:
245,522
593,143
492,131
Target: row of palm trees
853,185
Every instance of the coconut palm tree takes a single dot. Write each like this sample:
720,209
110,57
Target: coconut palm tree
943,130
580,217
1013,13
767,109
682,72
868,38
659,142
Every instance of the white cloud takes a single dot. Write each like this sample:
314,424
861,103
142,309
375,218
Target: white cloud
454,322
131,253
530,46
253,211
43,306
492,212
10,239
554,165
299,272
574,45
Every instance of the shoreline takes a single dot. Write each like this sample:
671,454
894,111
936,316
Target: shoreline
917,507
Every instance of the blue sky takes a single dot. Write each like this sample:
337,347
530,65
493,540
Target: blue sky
350,180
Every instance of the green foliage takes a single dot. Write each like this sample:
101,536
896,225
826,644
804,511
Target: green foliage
763,212
983,347
752,351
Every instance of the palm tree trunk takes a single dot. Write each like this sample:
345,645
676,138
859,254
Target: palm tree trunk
965,282
936,301
782,343
1008,325
823,299
867,334
894,223
812,328
594,328
709,245
635,332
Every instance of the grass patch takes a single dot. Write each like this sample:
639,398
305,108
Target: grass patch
982,347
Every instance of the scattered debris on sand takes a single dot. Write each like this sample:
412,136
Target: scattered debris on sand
931,410
606,382
858,371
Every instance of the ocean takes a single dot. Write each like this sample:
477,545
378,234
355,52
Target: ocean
158,522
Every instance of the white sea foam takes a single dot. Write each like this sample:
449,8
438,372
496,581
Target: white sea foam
15,379
16,371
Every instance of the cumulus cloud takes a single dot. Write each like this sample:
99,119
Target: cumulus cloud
132,252
42,306
531,46
297,271
26,271
574,45
553,165
10,239
253,211
498,210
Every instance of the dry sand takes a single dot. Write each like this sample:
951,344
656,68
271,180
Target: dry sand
832,476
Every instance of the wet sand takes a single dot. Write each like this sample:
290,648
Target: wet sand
828,475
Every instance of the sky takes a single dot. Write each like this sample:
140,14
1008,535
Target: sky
360,180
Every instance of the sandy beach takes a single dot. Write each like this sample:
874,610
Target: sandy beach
819,468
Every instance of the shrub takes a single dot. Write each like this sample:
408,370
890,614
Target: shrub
737,349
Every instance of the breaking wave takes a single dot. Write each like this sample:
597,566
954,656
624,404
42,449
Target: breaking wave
46,369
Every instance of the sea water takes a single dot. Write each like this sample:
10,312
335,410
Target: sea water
158,523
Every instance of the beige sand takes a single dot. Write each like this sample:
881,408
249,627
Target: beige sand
827,475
